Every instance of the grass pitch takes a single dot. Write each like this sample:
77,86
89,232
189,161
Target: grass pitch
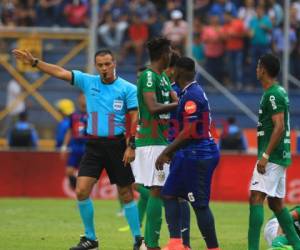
48,224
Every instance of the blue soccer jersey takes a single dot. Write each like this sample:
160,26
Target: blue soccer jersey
193,106
107,104
192,166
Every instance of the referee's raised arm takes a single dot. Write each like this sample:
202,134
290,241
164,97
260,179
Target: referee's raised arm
54,70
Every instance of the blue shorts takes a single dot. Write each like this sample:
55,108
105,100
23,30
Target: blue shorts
74,159
190,178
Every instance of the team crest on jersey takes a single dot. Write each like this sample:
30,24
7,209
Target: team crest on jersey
190,107
118,105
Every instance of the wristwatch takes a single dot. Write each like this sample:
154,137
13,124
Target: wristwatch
131,145
131,142
35,62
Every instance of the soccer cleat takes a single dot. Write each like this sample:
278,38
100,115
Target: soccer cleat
139,243
174,244
86,244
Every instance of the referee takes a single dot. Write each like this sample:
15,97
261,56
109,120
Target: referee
110,99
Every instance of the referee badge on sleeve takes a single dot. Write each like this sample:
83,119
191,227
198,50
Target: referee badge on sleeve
118,105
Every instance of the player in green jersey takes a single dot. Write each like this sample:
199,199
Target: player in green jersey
275,236
155,103
273,133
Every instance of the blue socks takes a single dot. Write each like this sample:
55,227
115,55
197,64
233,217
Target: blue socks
87,216
206,224
185,217
132,216
172,212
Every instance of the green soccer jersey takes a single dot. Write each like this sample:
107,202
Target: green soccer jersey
273,101
152,129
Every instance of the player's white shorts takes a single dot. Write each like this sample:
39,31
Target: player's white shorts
272,182
271,229
143,167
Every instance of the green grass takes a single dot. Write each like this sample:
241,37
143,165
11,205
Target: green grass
45,224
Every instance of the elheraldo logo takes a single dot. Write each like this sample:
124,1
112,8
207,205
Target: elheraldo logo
272,100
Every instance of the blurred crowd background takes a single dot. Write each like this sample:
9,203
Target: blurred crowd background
227,33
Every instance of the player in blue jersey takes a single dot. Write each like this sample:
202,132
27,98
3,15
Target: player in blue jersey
75,140
110,100
194,156
183,204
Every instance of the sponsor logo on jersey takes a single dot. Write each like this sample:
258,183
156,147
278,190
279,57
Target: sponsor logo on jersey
190,107
272,100
149,79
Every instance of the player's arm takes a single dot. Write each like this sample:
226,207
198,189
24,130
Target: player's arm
277,133
155,107
182,139
54,70
174,96
67,140
129,154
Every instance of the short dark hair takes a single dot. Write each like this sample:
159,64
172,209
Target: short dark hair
186,63
157,47
142,68
174,58
103,52
270,63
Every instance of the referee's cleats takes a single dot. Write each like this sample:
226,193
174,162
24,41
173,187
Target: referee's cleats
86,244
139,243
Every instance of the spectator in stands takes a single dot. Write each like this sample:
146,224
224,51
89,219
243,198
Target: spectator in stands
50,12
247,12
8,13
278,45
201,8
176,30
232,137
66,108
138,34
213,40
115,24
76,13
13,93
260,30
275,12
234,32
221,6
26,13
144,9
23,134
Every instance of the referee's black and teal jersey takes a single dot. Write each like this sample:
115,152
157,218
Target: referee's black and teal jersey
107,104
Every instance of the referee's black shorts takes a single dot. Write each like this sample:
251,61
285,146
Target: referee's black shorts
106,153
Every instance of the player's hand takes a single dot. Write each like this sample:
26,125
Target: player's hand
261,165
24,56
161,160
129,156
63,152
